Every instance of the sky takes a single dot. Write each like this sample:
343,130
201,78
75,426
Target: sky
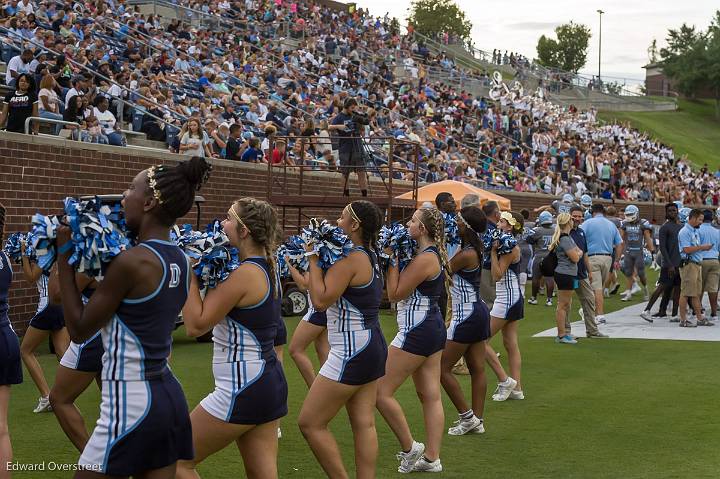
628,26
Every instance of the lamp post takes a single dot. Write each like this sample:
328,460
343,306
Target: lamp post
600,48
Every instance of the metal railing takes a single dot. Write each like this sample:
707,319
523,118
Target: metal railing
53,121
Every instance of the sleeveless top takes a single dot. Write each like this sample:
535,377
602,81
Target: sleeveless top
358,307
42,287
427,293
6,275
465,287
248,333
138,338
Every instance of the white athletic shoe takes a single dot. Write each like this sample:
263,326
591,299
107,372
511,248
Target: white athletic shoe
548,302
581,313
480,429
635,288
408,459
606,293
532,300
646,296
423,465
517,395
464,426
626,296
279,433
43,405
600,319
504,389
713,318
646,316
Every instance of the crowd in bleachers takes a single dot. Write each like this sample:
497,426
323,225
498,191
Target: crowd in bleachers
223,80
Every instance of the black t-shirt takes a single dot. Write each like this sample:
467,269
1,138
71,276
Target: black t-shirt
232,149
346,145
20,107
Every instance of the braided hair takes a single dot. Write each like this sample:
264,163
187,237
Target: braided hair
434,222
2,221
261,221
174,187
370,221
475,223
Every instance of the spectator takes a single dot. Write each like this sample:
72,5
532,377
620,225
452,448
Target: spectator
108,123
234,147
20,104
49,103
192,142
253,154
18,65
568,255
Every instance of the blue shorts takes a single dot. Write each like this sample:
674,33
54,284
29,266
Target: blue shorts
143,425
248,392
470,323
420,332
10,362
318,318
85,357
49,318
356,357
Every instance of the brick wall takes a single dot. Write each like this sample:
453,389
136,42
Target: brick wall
37,173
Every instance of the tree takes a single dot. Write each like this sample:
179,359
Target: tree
712,60
569,51
653,51
436,17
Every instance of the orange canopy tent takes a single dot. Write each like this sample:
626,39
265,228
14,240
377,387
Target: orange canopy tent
458,189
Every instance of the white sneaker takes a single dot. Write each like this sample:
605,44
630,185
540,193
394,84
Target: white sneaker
713,318
600,319
464,426
480,429
548,302
43,405
504,389
423,465
646,296
626,296
408,459
532,300
517,395
646,316
635,288
581,313
606,293
279,433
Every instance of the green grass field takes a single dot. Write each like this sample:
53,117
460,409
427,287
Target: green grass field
604,408
692,129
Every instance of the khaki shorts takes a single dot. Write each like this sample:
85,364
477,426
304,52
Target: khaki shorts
600,268
710,275
691,280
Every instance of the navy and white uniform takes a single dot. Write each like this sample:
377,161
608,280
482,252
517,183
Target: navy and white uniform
470,316
48,317
318,318
250,386
10,363
633,258
85,356
144,421
509,298
421,329
357,346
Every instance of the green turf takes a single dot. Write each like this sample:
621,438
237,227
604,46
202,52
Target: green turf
692,129
604,408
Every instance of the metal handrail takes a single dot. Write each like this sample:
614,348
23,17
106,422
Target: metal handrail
40,119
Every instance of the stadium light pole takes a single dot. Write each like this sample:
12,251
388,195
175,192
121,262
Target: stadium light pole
600,47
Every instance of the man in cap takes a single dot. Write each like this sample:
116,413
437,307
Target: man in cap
635,233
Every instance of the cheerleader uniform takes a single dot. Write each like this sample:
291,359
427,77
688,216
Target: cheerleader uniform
357,346
49,317
144,421
470,317
318,318
508,303
85,356
250,386
421,329
10,363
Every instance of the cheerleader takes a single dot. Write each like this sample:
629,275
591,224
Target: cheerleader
417,347
312,329
469,328
10,366
243,311
79,366
144,425
507,310
48,321
350,292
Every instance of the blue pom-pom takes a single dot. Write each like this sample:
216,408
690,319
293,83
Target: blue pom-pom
397,238
42,240
328,241
97,235
452,235
294,250
282,267
13,246
507,241
216,259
